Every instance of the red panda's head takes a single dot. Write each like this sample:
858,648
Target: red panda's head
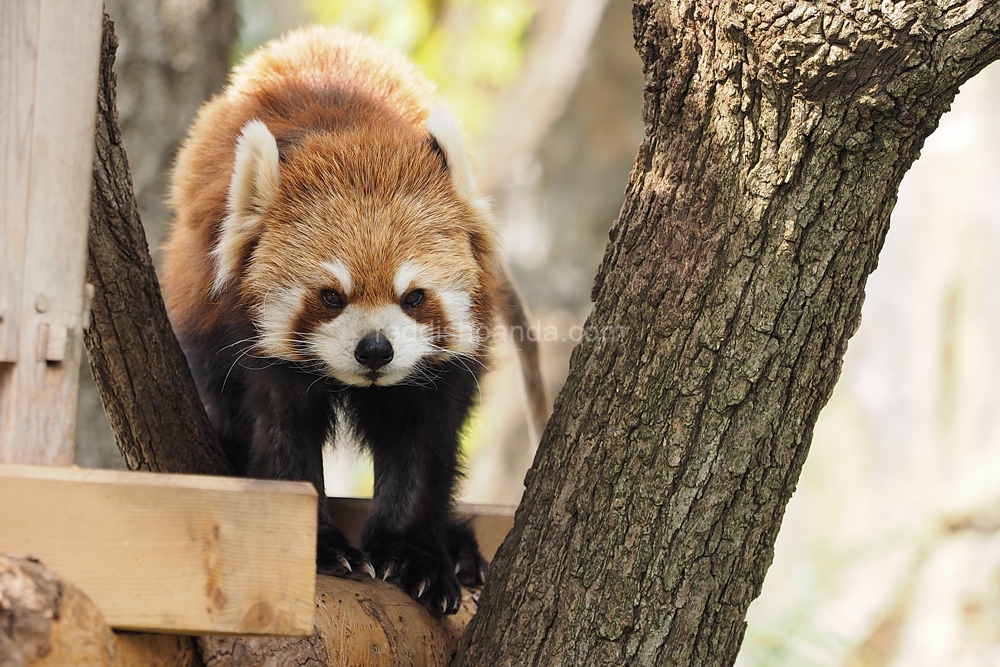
364,254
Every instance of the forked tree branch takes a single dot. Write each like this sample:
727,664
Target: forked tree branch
777,133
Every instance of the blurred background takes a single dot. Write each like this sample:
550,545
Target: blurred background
889,554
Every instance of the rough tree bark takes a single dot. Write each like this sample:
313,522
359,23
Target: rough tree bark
171,57
141,373
777,135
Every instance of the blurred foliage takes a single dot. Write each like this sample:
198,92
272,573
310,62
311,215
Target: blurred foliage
256,23
471,48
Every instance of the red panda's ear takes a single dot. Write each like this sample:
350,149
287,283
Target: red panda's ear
443,127
253,186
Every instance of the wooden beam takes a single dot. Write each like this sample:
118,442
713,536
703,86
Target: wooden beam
49,53
170,553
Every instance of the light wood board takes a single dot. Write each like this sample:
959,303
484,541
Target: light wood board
170,553
49,53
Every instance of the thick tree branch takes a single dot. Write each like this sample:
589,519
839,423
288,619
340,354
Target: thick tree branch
143,377
777,135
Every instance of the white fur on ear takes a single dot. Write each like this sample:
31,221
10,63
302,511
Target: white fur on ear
253,186
444,128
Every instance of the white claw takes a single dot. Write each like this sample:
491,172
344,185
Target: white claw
346,563
458,568
421,588
367,567
387,572
444,605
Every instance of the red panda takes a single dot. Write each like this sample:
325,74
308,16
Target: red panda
331,257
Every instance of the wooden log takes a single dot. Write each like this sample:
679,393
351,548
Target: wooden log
45,622
364,622
173,553
48,75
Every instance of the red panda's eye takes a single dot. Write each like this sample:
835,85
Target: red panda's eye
331,299
414,298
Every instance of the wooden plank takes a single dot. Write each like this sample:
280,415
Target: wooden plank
491,523
18,50
170,553
49,52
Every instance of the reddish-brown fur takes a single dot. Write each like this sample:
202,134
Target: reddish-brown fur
331,260
329,186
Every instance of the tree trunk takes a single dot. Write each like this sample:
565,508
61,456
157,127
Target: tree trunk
140,370
171,57
777,135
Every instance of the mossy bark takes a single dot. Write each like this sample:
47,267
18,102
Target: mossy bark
777,134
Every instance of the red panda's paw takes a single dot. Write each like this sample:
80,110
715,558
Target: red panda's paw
426,576
345,561
471,568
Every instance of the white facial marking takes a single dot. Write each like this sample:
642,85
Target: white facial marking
457,307
334,342
404,277
275,319
339,271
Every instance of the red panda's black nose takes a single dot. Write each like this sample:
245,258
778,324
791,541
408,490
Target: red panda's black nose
374,351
